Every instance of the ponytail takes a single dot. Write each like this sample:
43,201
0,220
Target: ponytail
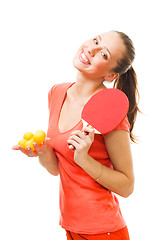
127,82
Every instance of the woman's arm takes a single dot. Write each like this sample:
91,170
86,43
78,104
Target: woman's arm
49,161
120,179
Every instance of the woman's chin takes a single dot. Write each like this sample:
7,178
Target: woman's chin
77,64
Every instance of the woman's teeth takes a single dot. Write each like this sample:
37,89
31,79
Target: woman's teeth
84,58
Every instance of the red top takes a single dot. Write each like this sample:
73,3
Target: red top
85,206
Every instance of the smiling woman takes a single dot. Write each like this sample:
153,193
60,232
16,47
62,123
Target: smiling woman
100,164
100,55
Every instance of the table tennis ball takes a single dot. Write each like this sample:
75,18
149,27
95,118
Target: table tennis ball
39,136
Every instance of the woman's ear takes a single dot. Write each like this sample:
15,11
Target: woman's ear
111,77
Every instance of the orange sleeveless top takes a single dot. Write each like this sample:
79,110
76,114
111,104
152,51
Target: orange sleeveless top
85,206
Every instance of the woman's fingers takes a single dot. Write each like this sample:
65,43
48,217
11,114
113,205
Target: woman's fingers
78,133
72,144
47,139
87,132
31,153
28,152
42,147
71,147
79,138
23,150
38,148
15,147
74,141
76,137
88,129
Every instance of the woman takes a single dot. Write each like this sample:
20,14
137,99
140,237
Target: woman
99,165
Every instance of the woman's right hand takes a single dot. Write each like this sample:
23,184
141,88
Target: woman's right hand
39,150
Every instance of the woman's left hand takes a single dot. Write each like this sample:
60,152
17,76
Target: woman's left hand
81,141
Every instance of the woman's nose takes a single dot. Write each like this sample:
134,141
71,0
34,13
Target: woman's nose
93,50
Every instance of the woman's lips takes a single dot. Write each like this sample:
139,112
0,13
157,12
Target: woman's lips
84,59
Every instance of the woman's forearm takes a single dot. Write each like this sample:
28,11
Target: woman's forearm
49,161
113,180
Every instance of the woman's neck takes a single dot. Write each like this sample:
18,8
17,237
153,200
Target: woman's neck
85,87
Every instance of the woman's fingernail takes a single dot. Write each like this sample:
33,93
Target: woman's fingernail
47,138
71,147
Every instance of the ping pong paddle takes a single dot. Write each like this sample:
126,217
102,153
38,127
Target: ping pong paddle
105,110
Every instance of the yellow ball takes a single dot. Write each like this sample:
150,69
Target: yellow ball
29,143
28,135
22,142
39,136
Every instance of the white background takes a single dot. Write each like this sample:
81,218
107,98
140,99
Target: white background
37,44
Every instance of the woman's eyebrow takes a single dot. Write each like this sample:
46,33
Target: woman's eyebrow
105,47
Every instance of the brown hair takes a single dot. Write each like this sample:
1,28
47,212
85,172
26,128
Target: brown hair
127,80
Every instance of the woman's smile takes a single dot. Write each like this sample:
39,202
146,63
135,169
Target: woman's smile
83,58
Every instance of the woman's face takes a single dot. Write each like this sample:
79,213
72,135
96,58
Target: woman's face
98,56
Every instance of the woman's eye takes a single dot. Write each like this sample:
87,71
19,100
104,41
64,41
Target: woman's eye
95,40
104,55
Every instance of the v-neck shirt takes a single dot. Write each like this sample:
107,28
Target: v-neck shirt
85,206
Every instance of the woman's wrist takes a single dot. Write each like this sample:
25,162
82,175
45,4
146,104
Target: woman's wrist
100,173
92,167
81,160
49,161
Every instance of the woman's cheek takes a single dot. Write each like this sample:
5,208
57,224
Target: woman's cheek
99,67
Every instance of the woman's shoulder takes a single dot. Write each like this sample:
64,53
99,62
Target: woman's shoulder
60,86
57,91
124,125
